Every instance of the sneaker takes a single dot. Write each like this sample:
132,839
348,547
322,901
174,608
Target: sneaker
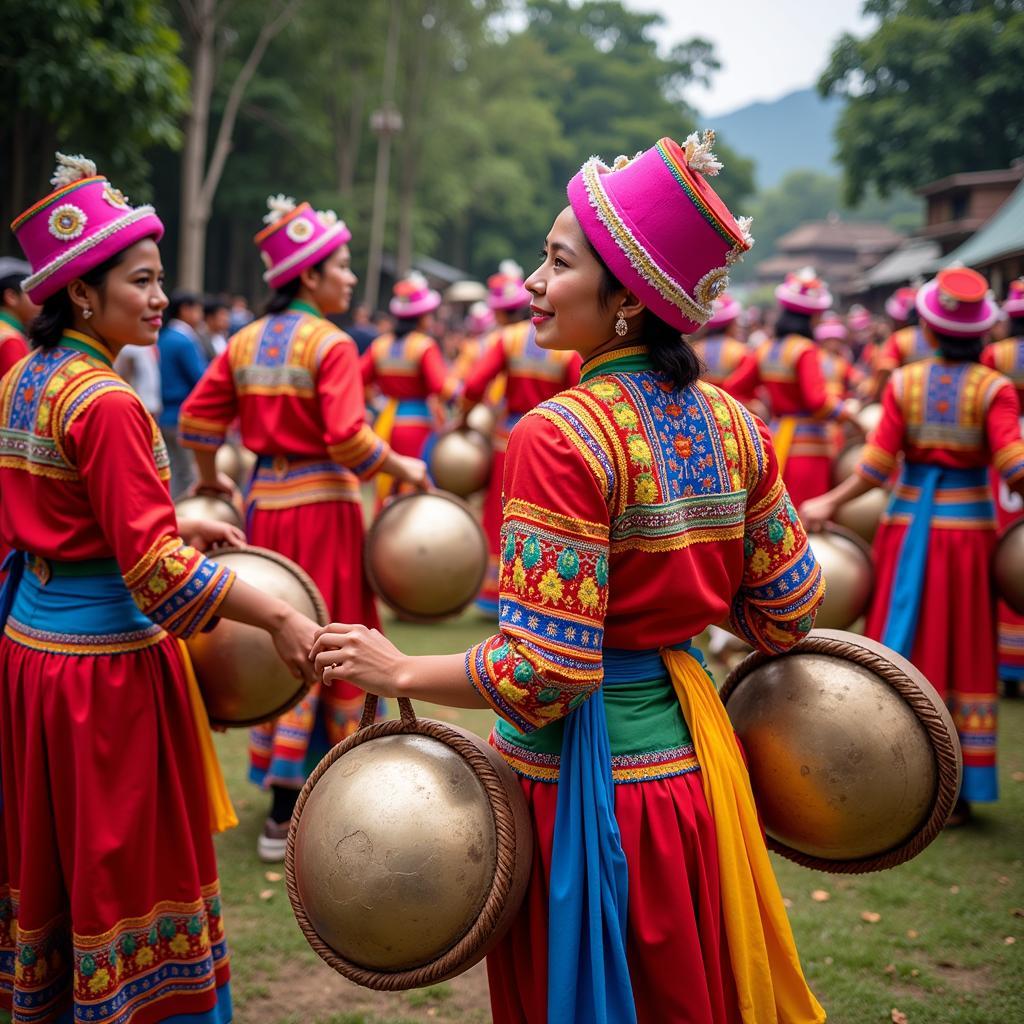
273,839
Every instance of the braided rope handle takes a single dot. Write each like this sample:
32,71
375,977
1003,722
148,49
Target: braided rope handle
471,946
929,711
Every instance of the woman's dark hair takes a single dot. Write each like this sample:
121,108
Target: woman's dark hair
405,325
791,322
178,298
1017,326
671,354
284,295
912,319
959,350
58,312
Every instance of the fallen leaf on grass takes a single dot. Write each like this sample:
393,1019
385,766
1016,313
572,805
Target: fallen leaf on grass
954,889
821,895
898,1016
911,934
889,969
870,916
1017,776
787,902
914,973
273,876
267,894
1009,940
1018,912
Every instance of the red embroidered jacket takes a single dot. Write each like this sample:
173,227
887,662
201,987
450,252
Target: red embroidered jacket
83,475
407,367
636,515
13,343
790,371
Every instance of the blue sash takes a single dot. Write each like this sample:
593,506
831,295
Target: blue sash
908,587
588,976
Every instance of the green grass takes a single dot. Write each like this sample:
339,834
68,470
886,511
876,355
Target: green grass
937,953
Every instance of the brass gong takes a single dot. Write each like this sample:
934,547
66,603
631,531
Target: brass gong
426,555
460,462
208,506
854,760
242,679
846,564
409,852
1008,567
236,462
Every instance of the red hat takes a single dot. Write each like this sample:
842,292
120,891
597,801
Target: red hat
803,292
661,229
900,303
413,297
506,288
725,309
957,302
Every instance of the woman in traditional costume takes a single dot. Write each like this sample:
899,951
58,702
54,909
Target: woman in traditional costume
480,322
292,380
532,375
789,370
641,506
951,418
17,311
407,368
905,345
721,349
109,901
1007,356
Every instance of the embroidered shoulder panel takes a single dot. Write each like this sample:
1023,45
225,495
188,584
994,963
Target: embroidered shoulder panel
525,358
945,404
1009,359
675,469
777,359
913,345
400,356
280,354
42,397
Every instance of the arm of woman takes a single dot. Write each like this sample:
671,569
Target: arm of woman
547,657
1002,424
206,414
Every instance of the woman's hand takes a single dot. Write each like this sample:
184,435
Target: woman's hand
413,471
207,534
220,486
359,655
293,637
816,512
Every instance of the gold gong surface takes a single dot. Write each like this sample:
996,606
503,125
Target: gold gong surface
208,506
236,462
840,765
845,561
460,462
482,419
426,555
869,417
1008,567
395,852
242,679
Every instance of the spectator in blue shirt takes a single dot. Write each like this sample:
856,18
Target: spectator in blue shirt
181,365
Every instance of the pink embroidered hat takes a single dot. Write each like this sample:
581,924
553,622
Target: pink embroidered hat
660,227
831,328
480,318
506,288
900,303
79,225
803,292
858,318
724,310
957,302
1014,304
413,297
297,237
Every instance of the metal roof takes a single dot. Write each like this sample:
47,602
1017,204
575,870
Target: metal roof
916,257
1002,236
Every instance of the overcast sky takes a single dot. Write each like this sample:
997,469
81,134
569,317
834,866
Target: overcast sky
767,47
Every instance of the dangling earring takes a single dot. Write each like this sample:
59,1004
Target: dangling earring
620,325
87,313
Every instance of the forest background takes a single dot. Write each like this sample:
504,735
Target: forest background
205,107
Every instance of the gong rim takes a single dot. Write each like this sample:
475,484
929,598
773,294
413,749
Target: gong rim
375,585
1010,598
313,592
910,684
512,830
236,518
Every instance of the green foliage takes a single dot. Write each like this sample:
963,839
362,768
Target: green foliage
98,76
811,195
935,90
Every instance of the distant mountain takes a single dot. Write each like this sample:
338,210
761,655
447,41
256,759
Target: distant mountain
790,133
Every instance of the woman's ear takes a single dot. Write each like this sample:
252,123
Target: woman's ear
81,294
631,306
309,278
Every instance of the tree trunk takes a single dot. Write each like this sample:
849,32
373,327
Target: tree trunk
348,140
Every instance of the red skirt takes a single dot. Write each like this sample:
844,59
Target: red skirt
676,945
955,643
326,539
110,901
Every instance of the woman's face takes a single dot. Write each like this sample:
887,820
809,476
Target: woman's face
566,307
127,309
331,289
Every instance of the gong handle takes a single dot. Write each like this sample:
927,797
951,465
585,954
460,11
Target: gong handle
370,711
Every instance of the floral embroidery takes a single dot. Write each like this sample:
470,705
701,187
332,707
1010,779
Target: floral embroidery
67,222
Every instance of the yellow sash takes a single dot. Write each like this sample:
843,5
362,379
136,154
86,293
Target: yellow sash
222,814
383,427
783,439
769,981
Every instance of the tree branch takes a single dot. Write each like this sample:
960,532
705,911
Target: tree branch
226,129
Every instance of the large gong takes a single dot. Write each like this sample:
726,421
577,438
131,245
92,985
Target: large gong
409,852
854,760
